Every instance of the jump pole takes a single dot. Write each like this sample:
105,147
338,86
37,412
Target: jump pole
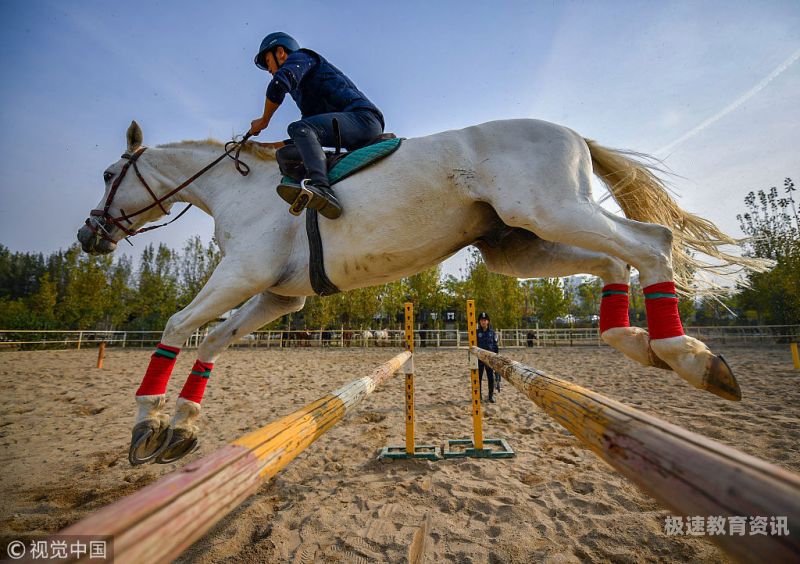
410,450
161,520
475,447
688,473
795,355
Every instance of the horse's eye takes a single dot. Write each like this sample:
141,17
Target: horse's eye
108,176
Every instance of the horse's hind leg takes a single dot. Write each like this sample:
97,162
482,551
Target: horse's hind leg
567,214
519,253
257,312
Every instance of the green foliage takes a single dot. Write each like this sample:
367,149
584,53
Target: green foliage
548,299
86,295
589,294
19,273
158,289
774,228
500,296
716,311
195,267
72,290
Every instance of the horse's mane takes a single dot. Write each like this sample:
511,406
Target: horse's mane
251,148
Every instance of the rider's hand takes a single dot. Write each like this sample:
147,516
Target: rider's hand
256,126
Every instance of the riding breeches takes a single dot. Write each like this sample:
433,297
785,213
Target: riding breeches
310,134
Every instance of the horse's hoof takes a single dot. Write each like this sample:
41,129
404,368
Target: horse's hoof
719,380
181,443
148,439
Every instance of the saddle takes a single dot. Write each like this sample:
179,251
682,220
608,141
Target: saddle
340,166
292,168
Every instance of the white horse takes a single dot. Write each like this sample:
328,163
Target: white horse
519,190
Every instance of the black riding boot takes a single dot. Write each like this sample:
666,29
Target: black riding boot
315,191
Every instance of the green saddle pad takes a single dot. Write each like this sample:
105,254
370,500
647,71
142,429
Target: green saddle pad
359,159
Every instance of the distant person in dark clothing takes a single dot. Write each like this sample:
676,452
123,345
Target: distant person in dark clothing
487,340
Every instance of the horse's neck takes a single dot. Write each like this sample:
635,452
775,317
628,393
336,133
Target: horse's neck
212,191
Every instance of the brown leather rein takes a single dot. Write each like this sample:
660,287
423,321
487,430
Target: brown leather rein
98,227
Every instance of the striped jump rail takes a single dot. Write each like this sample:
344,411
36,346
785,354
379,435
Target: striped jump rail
161,520
686,472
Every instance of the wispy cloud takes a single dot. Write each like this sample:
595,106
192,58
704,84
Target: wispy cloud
156,75
732,106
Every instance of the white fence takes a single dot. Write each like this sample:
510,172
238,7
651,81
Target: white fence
451,338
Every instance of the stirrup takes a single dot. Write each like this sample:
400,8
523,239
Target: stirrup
307,195
303,198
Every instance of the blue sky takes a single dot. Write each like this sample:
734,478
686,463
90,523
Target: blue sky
712,87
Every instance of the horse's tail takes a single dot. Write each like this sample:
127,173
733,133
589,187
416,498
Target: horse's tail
644,197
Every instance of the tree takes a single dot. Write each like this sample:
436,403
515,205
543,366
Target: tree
548,299
426,291
84,303
589,295
195,266
499,295
715,310
773,226
157,295
120,294
19,273
42,304
321,312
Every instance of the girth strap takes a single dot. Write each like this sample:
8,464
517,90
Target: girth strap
360,159
320,282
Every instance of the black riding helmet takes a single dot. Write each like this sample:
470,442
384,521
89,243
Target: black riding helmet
270,42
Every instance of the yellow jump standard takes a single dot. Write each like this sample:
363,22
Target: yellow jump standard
477,446
410,450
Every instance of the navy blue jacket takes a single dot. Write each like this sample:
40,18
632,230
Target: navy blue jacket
487,340
317,86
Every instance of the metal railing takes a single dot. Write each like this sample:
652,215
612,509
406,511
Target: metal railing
433,338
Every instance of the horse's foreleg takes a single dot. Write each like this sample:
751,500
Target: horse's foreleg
227,287
258,311
523,255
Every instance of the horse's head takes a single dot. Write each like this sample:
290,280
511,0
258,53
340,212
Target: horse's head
130,199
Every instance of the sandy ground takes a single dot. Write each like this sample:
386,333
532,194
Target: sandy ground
64,431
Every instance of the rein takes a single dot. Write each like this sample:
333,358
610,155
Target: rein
100,230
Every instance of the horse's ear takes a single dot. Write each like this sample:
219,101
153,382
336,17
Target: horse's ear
134,136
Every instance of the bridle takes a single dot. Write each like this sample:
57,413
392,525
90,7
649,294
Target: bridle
99,226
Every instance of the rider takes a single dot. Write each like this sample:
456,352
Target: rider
323,94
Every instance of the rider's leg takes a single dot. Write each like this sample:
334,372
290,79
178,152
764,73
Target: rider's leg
309,135
290,162
316,192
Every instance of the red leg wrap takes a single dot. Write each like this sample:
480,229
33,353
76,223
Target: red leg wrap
661,302
195,384
158,371
614,307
